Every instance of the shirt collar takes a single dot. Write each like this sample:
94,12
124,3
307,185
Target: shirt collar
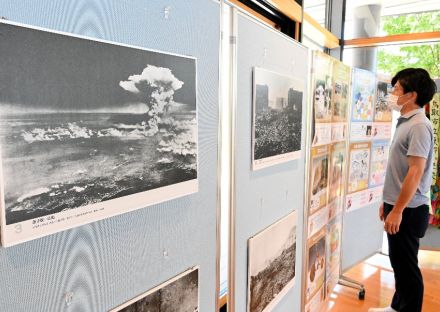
409,115
412,113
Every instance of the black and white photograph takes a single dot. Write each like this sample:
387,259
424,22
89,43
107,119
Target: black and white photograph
90,129
271,264
381,110
277,118
179,294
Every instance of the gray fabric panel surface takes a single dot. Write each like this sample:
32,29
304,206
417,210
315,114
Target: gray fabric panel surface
266,195
361,235
109,262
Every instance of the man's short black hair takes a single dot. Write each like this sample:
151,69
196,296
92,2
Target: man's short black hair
416,80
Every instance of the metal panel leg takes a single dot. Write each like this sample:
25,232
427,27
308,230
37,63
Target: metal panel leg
348,282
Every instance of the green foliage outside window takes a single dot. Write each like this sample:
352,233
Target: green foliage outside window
425,55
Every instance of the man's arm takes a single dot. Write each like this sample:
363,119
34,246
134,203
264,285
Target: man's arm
409,187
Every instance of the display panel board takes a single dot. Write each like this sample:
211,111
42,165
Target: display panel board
98,266
264,196
327,183
370,134
369,141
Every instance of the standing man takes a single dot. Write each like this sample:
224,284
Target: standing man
405,210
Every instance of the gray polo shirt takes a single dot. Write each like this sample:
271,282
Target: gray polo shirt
413,137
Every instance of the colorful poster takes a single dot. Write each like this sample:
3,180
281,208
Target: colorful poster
364,85
277,118
379,160
363,198
319,177
315,264
358,174
381,131
322,70
85,137
317,221
271,264
383,88
337,164
341,82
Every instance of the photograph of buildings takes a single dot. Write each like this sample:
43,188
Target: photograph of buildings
277,118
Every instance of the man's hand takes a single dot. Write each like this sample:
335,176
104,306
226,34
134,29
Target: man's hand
381,216
392,222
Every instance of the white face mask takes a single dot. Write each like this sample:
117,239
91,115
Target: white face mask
392,102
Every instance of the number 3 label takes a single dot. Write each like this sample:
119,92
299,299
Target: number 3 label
18,228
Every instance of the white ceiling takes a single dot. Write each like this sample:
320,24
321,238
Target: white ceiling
316,8
396,7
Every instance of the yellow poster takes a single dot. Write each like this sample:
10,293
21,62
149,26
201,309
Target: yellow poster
435,120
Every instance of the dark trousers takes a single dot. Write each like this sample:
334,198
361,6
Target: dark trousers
403,251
